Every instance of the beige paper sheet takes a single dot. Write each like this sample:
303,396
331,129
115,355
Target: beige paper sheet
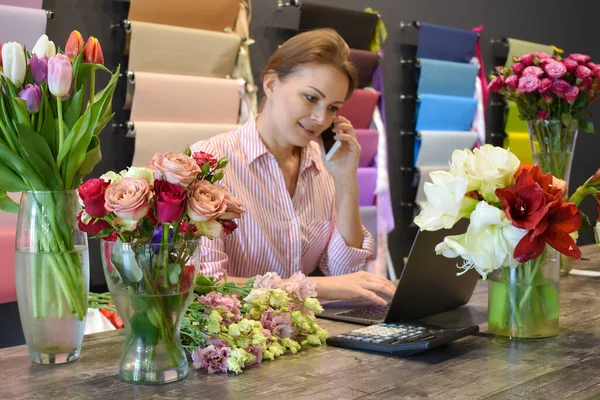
169,49
213,15
180,98
153,137
22,25
518,48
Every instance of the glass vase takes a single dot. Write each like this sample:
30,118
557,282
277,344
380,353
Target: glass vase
553,145
523,302
152,285
52,275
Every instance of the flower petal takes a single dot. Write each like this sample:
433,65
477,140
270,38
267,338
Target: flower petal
529,247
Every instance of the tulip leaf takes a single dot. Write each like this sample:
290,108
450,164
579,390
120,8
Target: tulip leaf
174,272
39,156
102,123
92,158
74,110
11,181
123,259
48,131
7,204
22,168
80,127
21,111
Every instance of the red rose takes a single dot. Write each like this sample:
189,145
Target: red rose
93,228
91,193
228,226
187,277
202,158
169,201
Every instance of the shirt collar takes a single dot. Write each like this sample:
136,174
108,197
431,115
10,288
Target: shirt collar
255,148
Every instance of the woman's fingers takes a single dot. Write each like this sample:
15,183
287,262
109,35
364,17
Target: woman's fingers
379,287
367,294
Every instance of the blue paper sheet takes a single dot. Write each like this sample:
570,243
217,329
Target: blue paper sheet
444,43
447,78
445,113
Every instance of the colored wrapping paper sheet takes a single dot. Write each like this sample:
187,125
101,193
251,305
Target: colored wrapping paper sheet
368,216
514,123
359,108
23,25
208,15
153,137
368,140
444,43
365,62
424,177
180,98
445,113
447,78
181,51
436,147
8,229
356,27
367,180
520,146
518,48
23,3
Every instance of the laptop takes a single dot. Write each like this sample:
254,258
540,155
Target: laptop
429,284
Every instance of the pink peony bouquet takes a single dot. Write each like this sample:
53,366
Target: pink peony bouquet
271,316
548,87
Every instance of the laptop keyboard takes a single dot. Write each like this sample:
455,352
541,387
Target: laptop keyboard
372,313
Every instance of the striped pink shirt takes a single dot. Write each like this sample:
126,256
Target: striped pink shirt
278,233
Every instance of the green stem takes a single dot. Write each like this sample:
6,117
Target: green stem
61,133
165,255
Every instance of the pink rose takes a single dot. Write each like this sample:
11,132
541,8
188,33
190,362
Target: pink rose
545,84
528,84
580,58
571,65
559,86
496,84
170,201
555,69
129,198
542,115
527,59
533,70
518,68
582,72
512,82
205,201
571,94
586,83
235,206
175,168
541,56
592,66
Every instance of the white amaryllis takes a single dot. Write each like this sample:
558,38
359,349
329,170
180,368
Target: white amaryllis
446,202
44,47
488,244
597,232
486,169
14,63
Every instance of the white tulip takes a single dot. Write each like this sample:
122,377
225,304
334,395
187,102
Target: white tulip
44,47
486,169
14,63
446,202
488,244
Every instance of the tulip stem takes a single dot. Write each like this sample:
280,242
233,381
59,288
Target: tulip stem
61,133
92,84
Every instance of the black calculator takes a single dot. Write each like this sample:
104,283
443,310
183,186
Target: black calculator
399,338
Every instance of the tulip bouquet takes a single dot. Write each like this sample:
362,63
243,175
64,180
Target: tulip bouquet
519,218
50,118
151,220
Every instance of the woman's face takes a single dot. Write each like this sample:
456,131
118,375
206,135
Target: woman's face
304,103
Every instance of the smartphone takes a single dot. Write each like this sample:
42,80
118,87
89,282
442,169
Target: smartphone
329,143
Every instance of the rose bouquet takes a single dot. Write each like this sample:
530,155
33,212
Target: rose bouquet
151,220
519,218
553,94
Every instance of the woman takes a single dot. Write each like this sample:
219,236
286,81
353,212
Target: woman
302,211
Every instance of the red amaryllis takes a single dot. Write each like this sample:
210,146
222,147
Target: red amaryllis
560,220
524,202
170,201
554,188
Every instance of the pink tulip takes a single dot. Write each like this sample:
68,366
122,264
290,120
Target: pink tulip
60,75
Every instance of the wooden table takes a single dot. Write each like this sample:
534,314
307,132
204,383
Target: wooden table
475,367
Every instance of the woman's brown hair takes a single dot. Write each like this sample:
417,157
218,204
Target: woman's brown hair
319,46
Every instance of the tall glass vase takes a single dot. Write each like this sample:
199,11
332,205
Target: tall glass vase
523,302
152,285
553,146
52,275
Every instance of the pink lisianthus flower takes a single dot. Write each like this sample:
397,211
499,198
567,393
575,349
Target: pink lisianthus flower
301,287
211,358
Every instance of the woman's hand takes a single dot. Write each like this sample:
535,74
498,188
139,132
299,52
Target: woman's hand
354,286
344,163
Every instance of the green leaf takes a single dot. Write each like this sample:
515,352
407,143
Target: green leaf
11,181
49,132
566,119
78,130
587,126
7,204
22,168
39,157
33,142
142,328
102,123
21,111
585,223
147,229
74,110
205,168
92,158
174,272
104,233
123,259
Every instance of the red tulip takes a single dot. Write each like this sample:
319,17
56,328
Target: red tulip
92,53
74,45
